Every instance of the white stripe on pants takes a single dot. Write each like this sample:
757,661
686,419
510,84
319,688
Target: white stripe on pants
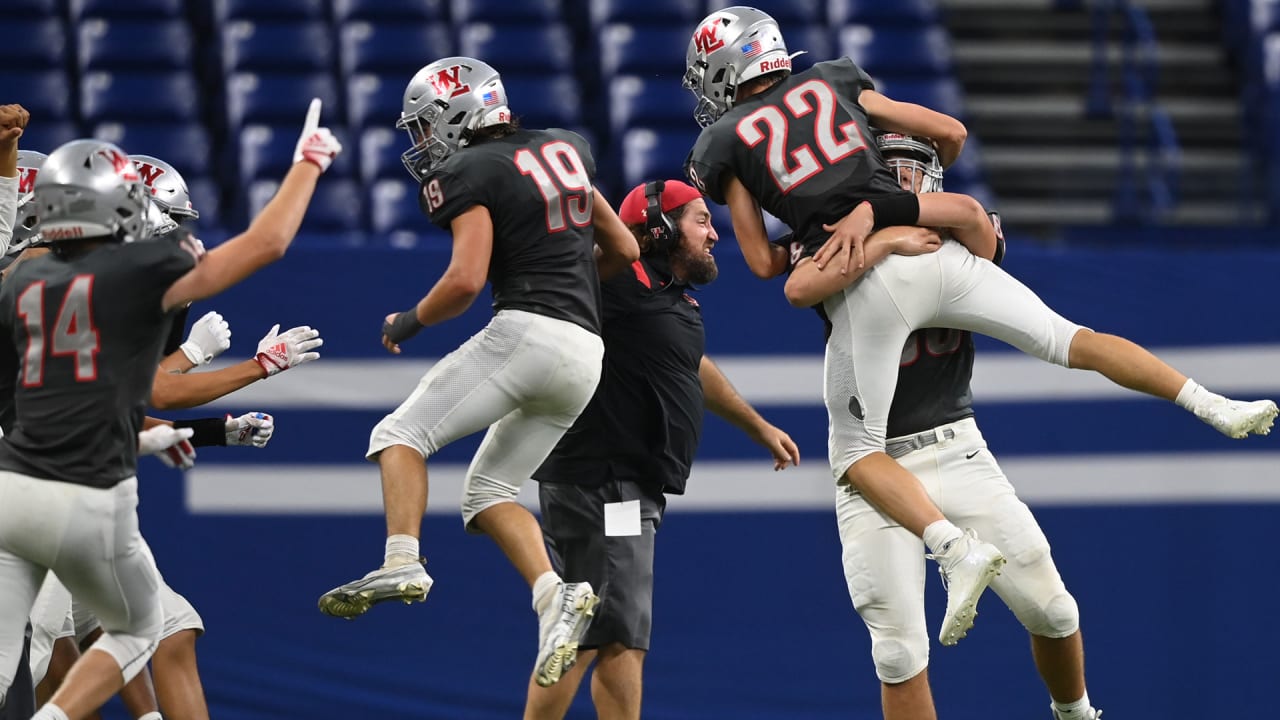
90,538
871,319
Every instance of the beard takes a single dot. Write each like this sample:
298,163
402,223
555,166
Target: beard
695,267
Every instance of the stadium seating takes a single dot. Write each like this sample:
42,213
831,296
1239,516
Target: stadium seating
278,98
909,52
399,48
134,45
205,199
149,97
35,9
648,154
186,146
34,44
276,47
225,10
641,50
941,94
912,13
393,207
552,101
334,216
786,12
267,152
409,11
638,100
519,49
44,136
671,13
152,9
374,100
505,11
380,151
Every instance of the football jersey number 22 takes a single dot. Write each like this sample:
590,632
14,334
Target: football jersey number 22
834,143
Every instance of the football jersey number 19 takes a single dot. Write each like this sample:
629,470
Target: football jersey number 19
571,189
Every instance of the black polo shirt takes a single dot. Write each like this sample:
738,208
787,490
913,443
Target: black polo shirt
644,422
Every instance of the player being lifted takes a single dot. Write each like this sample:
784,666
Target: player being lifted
522,210
799,146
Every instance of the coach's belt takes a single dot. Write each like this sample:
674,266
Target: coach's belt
898,448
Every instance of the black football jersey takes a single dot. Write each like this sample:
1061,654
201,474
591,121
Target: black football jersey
538,188
802,148
933,381
87,333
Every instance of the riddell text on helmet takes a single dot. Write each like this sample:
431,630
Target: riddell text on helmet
782,63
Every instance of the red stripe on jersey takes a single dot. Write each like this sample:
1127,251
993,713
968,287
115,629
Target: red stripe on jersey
641,275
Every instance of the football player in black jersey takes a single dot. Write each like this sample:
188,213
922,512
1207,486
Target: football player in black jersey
86,323
526,217
932,433
635,442
758,150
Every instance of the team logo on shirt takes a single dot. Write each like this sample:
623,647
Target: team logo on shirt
448,83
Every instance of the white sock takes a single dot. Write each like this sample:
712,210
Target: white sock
401,550
544,590
1193,395
940,534
152,716
1074,711
50,712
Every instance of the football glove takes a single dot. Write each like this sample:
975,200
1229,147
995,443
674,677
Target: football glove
277,353
316,144
172,445
253,428
210,337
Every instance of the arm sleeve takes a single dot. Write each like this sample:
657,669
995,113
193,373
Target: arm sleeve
445,195
707,164
8,211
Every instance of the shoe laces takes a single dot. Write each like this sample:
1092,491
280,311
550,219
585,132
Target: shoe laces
951,552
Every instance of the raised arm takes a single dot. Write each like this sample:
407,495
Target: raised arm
721,399
765,259
616,247
911,119
270,234
13,119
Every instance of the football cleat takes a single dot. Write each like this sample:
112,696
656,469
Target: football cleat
561,627
1237,418
408,583
967,566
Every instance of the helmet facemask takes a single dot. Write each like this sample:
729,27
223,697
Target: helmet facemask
428,150
913,161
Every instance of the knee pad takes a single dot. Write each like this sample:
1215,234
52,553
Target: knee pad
131,652
1057,618
898,659
481,493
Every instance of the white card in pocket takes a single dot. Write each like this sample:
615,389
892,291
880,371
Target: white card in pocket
622,519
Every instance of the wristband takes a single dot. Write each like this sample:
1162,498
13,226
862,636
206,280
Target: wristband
896,209
206,431
404,326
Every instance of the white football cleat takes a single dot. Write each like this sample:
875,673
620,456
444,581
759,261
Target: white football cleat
1090,714
561,626
408,583
1237,418
967,565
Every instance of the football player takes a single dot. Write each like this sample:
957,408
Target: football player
524,214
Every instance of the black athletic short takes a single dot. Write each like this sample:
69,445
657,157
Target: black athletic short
620,569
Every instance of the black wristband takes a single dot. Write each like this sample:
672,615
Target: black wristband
403,327
208,431
896,209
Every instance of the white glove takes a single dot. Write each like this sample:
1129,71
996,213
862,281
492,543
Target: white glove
277,353
170,444
316,144
209,338
253,428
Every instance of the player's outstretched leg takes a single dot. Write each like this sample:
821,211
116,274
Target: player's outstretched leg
967,565
563,620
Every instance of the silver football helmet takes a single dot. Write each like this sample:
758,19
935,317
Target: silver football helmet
913,161
170,200
24,227
90,189
730,47
444,104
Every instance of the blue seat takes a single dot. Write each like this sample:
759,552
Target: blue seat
185,146
374,100
649,154
46,94
683,13
388,10
225,10
943,94
637,50
392,47
34,44
882,14
333,218
394,208
380,150
134,45
134,8
967,169
150,97
506,11
784,11
814,40
553,101
518,49
266,151
897,52
279,98
638,100
276,46
206,199
44,136
30,9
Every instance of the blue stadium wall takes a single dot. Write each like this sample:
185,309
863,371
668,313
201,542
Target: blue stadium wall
1164,531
